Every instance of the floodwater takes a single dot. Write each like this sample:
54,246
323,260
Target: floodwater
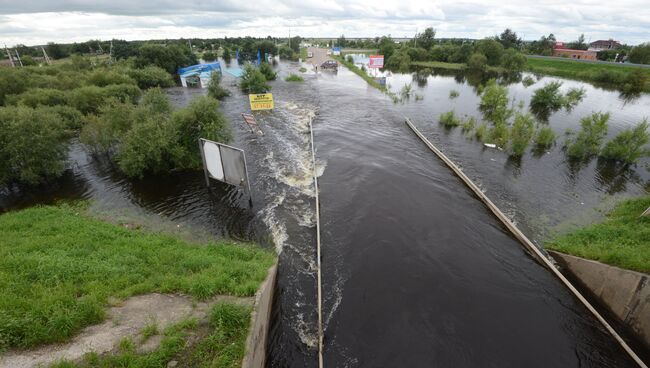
416,271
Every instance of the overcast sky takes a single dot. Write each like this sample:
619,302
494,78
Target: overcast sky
39,21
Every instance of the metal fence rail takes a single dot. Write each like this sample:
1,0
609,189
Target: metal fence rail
318,253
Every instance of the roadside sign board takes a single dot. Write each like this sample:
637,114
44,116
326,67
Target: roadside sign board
336,50
376,61
261,101
224,163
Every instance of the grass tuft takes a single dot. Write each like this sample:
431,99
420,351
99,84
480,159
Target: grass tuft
622,240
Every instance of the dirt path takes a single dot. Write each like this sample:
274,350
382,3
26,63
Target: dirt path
125,320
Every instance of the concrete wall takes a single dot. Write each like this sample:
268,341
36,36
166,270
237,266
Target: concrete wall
625,293
255,356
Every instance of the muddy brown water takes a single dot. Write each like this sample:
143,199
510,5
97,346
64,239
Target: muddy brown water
416,271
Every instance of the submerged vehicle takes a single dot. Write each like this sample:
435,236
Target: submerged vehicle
330,64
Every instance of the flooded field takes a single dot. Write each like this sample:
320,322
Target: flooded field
416,271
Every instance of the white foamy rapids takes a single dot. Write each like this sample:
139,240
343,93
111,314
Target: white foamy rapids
297,174
277,228
308,335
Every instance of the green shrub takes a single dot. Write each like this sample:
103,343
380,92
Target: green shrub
521,132
302,70
469,124
156,101
629,145
400,60
481,132
168,57
449,119
513,60
350,59
492,50
588,141
123,92
151,76
499,134
547,98
294,78
253,81
477,61
573,97
71,118
33,145
103,132
148,147
104,77
494,103
41,96
215,90
635,82
87,99
268,72
544,138
640,54
201,119
209,56
528,81
453,94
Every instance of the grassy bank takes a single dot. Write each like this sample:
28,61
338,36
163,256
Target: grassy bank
590,72
440,65
59,268
622,240
354,69
223,346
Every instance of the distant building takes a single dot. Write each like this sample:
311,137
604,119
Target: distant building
561,50
601,45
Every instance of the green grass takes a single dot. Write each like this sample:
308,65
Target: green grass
353,68
58,268
579,70
294,78
223,347
303,53
622,240
440,65
452,66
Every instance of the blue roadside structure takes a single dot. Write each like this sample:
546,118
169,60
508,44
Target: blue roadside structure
199,74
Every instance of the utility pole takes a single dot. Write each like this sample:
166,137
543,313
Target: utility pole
47,58
110,51
18,57
11,59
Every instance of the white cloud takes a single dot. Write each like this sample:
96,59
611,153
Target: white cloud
37,22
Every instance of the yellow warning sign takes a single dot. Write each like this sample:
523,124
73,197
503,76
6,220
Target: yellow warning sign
263,101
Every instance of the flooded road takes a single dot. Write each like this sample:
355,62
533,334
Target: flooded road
416,271
427,276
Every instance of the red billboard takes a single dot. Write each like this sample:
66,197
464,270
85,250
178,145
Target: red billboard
376,61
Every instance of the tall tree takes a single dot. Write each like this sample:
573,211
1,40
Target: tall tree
426,38
509,39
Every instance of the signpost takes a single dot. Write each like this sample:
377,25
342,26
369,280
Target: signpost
262,101
224,163
336,51
376,61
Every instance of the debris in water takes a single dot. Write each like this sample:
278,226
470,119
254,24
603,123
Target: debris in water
490,145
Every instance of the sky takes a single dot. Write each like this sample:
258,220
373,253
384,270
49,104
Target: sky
34,22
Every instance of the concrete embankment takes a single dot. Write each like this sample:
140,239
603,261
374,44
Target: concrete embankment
625,293
260,321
